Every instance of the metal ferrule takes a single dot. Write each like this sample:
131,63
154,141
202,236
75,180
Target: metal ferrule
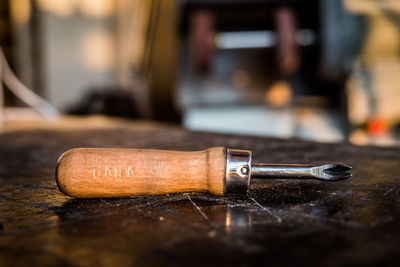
238,170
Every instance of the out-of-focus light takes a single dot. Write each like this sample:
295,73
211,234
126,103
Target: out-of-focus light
371,7
247,39
358,101
240,79
359,137
97,49
20,11
259,39
62,8
66,8
97,8
279,95
376,127
305,37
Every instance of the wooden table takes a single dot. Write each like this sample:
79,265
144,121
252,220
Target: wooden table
355,222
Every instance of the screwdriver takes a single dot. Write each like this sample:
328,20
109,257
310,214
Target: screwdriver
124,172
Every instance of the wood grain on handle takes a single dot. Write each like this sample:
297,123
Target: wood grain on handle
111,172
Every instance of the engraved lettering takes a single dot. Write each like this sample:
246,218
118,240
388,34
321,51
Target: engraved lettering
130,172
117,172
96,173
107,172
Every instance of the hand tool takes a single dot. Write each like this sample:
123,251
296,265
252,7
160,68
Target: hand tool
115,172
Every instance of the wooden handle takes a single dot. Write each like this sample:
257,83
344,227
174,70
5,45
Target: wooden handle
106,172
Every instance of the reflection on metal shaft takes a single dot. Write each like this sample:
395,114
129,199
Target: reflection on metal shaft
260,170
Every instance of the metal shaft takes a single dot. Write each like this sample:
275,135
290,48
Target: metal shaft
329,171
240,170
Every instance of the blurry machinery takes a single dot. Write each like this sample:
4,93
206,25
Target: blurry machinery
271,60
12,90
373,86
315,69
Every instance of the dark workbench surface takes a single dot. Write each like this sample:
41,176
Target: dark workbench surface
280,223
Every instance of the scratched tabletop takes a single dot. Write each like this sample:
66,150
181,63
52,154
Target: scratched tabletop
355,222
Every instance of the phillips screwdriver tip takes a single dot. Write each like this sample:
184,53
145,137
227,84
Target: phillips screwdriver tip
334,171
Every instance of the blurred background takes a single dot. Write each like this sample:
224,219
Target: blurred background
322,70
